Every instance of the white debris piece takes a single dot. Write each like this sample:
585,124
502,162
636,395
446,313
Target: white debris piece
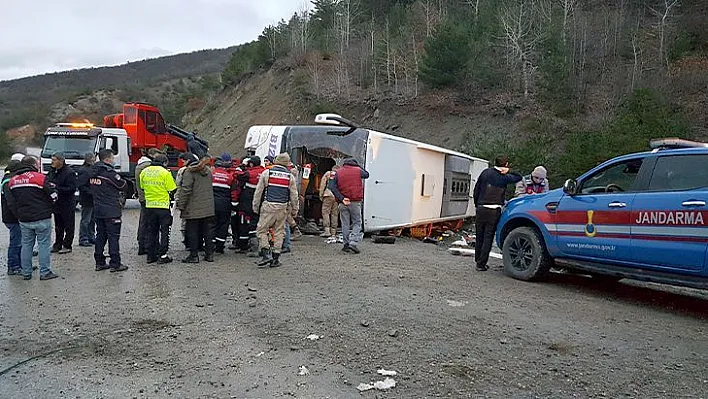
387,372
364,387
303,371
459,243
260,354
384,385
456,304
313,337
388,383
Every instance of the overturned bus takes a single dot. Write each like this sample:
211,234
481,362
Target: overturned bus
412,183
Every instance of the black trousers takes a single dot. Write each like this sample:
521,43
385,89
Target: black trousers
200,231
107,230
64,225
244,230
486,227
221,229
235,222
157,241
142,229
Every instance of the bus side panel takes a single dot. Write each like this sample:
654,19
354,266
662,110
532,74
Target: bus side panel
428,182
388,191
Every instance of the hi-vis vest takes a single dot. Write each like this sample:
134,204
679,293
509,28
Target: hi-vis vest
278,189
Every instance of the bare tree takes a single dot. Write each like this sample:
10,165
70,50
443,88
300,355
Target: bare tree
520,38
475,5
429,12
372,35
664,15
568,9
314,69
270,33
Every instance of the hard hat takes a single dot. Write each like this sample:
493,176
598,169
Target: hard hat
17,156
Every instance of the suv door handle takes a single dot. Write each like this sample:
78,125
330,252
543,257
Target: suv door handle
616,205
693,203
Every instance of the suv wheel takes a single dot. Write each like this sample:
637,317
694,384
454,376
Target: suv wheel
525,255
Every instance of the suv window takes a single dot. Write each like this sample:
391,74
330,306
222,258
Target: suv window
679,172
614,178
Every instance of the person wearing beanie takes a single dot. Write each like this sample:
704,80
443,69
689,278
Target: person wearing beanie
248,181
143,163
225,157
535,183
195,200
223,185
157,183
268,161
187,159
275,194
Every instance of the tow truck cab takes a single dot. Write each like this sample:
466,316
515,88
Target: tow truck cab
75,140
641,216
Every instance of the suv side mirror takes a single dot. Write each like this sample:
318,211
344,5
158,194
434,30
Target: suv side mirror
570,187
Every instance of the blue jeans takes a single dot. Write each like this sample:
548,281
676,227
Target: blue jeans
286,240
14,262
40,230
87,227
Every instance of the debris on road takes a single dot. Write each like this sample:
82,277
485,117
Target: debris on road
384,385
303,371
456,304
393,333
364,323
313,337
387,373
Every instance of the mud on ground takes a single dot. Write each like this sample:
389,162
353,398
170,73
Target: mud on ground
228,329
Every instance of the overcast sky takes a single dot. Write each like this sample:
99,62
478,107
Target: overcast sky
39,36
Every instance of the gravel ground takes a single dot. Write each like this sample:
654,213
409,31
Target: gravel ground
228,329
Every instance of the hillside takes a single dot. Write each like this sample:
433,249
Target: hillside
563,83
35,100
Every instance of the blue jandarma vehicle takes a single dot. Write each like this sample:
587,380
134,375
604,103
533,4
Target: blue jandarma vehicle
640,216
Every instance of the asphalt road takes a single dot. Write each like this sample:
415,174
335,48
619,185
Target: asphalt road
229,329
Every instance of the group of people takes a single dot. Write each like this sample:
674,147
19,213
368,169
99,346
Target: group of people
29,199
490,197
257,200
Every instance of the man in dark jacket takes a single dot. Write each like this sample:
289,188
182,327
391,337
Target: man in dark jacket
223,184
195,200
249,181
106,185
31,197
87,227
14,248
489,197
64,178
348,188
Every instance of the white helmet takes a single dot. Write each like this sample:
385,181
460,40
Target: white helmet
17,156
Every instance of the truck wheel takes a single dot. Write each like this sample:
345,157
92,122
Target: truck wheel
525,255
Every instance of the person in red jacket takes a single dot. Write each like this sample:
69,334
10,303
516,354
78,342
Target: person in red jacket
223,185
249,181
348,188
31,197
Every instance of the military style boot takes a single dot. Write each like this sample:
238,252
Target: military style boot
253,248
266,258
276,260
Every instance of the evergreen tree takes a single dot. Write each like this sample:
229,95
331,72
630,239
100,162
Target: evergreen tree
445,58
